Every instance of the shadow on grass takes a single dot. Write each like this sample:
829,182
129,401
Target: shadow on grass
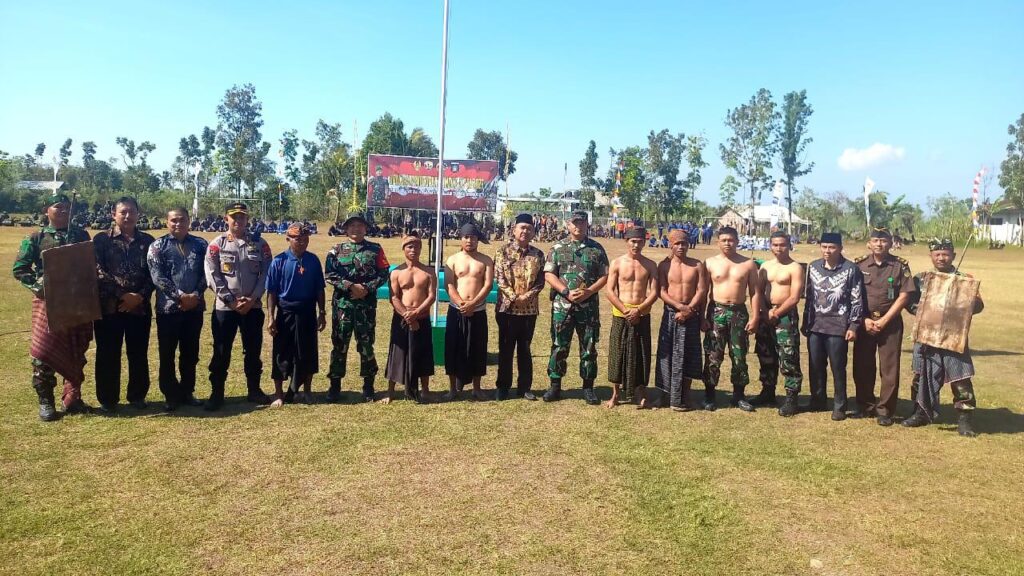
995,353
986,420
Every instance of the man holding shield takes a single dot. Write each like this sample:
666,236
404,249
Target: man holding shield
60,352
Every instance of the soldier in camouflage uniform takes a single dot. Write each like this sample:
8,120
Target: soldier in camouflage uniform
53,353
576,269
356,268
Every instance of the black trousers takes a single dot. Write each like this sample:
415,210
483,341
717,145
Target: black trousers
514,335
114,331
224,324
825,349
180,330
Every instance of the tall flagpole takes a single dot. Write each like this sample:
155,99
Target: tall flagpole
438,239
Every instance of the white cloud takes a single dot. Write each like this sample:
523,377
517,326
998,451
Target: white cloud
877,153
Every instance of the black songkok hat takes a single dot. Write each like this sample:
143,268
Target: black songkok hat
832,238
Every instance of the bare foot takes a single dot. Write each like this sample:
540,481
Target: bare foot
385,400
277,403
611,403
642,405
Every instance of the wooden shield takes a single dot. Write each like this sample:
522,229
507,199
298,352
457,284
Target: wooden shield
70,285
945,311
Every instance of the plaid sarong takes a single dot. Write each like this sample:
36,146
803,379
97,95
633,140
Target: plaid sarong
629,354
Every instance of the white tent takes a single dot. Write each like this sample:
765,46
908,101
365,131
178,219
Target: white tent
763,214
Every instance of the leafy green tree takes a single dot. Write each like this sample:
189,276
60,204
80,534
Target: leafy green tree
695,144
242,153
793,140
88,153
588,177
748,152
1011,171
491,146
727,191
663,160
634,186
421,145
40,150
65,153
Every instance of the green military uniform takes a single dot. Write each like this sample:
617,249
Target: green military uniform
64,350
347,264
778,347
728,329
579,264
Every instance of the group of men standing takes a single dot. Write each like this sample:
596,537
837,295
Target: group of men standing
845,301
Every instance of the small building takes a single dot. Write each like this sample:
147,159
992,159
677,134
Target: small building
1004,225
40,185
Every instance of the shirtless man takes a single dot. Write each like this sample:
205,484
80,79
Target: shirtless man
468,276
728,324
777,342
683,285
411,351
632,289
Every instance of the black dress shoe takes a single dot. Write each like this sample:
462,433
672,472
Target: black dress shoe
213,403
334,395
170,406
857,414
501,394
529,396
885,420
838,415
764,398
916,420
258,397
138,404
709,404
590,397
191,400
817,405
742,404
107,409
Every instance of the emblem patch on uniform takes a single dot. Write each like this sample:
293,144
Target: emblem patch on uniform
227,267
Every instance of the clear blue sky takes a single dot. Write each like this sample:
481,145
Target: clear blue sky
935,84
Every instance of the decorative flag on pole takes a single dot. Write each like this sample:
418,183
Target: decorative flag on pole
615,196
869,185
974,197
776,203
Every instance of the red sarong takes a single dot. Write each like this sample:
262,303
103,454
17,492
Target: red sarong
63,351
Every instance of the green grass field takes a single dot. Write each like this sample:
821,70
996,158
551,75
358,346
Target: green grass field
514,487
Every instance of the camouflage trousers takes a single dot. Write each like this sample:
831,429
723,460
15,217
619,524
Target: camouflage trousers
778,347
362,322
728,330
963,393
585,320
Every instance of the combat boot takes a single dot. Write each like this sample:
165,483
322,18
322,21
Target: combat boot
765,398
964,425
589,396
334,391
47,408
368,392
709,400
789,405
554,392
917,419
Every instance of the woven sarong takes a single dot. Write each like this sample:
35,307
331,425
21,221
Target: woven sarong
63,351
410,353
937,367
679,351
629,355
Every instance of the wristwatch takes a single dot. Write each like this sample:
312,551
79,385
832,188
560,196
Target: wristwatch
565,292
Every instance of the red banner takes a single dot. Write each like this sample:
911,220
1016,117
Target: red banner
408,182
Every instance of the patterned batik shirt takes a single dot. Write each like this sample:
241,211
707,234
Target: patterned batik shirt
122,268
519,273
835,300
177,269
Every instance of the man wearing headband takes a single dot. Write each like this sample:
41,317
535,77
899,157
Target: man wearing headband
411,349
519,267
61,352
295,289
356,268
682,284
576,268
833,313
468,277
733,278
777,342
176,266
632,289
888,284
125,286
935,367
236,270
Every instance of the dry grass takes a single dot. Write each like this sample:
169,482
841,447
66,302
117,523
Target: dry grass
517,487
